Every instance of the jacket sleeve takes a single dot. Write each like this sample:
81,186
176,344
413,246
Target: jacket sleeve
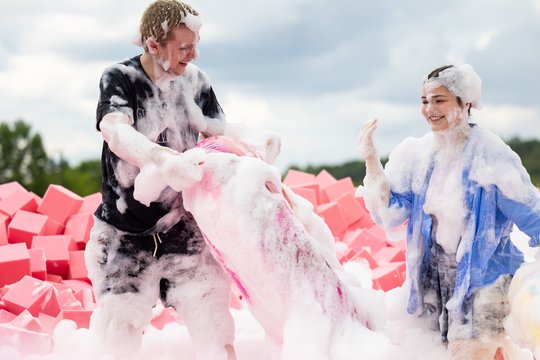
399,208
526,214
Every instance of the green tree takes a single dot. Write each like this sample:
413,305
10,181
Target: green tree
529,152
22,157
83,179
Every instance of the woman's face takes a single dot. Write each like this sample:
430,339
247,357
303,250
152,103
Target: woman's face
440,107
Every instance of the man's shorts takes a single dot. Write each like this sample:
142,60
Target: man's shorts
127,263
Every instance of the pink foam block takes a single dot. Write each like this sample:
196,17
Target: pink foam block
53,227
24,226
333,217
33,295
90,203
365,222
3,291
165,316
56,252
4,221
77,285
37,198
59,203
14,263
25,320
324,178
349,235
378,232
59,286
307,193
401,244
295,177
402,268
48,323
342,250
363,238
25,341
362,202
366,255
18,200
86,298
351,209
8,188
387,277
80,317
38,265
339,188
389,254
6,316
79,226
77,266
68,301
53,278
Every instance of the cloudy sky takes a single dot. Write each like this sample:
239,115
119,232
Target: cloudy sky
310,70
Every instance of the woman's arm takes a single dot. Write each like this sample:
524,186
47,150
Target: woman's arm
376,186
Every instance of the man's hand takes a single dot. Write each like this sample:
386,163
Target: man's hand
365,139
179,171
182,171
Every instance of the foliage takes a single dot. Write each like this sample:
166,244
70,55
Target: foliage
83,179
23,159
529,152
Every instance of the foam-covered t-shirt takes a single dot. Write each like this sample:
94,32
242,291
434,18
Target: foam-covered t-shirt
172,115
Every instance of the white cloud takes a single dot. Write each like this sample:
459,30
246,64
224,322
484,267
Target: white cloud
485,38
314,90
238,19
536,5
509,121
60,30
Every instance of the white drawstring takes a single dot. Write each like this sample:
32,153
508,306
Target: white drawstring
156,239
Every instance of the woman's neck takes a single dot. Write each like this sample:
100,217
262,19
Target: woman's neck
449,143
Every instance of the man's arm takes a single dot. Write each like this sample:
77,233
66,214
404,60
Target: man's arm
129,144
165,166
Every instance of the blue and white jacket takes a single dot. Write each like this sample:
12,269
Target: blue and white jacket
497,193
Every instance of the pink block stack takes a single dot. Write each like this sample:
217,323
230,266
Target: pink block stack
43,277
357,237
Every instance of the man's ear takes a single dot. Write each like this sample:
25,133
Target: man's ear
152,46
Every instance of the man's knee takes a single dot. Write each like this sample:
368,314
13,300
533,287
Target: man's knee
130,309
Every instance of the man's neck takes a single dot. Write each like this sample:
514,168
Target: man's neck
155,72
149,66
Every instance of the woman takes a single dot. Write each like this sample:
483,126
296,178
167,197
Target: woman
461,189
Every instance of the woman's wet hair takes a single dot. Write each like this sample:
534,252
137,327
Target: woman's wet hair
435,74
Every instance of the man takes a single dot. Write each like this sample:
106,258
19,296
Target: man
152,108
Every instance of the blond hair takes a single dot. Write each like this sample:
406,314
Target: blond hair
161,17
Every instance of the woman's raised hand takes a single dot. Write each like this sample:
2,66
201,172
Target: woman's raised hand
365,139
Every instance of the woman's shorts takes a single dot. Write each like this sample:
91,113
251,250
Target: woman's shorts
482,313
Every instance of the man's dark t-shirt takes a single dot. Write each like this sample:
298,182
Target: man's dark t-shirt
170,115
